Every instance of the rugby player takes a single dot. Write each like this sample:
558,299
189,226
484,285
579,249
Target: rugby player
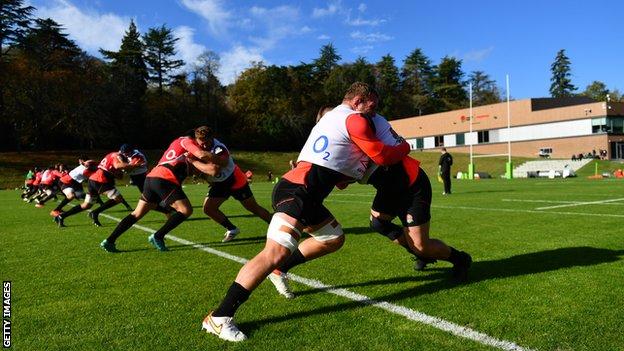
230,181
71,183
338,150
164,185
102,181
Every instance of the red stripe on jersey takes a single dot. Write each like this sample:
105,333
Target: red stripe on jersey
412,168
240,179
298,174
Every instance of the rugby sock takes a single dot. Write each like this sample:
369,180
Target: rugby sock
124,225
234,297
174,220
108,204
99,201
295,259
64,202
72,211
227,224
125,203
46,198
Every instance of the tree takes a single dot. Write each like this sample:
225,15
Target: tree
387,84
561,85
326,62
484,89
159,53
596,90
14,22
416,76
447,85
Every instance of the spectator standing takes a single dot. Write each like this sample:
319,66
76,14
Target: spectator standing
446,161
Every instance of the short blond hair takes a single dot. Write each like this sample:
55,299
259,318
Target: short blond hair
360,89
322,111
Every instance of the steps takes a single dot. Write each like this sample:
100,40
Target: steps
543,167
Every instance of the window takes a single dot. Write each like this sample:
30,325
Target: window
439,140
420,144
460,139
599,125
483,136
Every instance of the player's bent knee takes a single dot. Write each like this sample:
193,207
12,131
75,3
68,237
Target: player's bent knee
386,228
283,233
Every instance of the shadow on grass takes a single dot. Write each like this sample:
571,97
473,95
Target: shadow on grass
531,263
358,230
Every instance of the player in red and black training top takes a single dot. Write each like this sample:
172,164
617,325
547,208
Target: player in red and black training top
164,185
102,181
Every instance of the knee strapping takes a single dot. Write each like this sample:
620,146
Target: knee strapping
330,231
277,233
386,228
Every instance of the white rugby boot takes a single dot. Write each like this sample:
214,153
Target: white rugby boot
223,327
230,235
280,281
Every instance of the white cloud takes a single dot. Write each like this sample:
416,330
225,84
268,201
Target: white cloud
213,12
323,37
188,49
91,30
362,7
274,25
370,37
236,60
331,9
361,50
478,55
364,22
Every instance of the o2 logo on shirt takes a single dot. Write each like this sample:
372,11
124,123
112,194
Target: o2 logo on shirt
170,155
320,145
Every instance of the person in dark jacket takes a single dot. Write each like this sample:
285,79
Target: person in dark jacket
446,161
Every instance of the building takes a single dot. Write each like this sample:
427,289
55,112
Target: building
554,127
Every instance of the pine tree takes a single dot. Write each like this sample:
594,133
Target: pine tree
416,76
484,89
448,86
159,53
387,75
561,84
326,62
14,22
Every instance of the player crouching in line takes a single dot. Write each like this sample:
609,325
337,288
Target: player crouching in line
164,185
230,181
71,183
102,181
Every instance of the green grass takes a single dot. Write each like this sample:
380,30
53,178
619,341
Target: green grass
546,279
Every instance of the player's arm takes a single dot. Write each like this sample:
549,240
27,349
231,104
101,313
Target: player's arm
210,169
120,162
193,149
364,137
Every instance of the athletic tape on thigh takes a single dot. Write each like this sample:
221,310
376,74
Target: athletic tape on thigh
276,233
91,200
112,194
68,191
330,231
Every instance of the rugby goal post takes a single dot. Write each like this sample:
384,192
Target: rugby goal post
508,164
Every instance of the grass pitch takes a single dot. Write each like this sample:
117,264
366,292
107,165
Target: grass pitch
547,275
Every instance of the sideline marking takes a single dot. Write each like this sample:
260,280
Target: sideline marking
501,209
439,323
580,204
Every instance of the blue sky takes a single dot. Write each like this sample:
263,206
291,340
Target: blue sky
519,38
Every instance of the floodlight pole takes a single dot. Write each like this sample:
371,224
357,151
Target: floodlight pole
509,165
470,165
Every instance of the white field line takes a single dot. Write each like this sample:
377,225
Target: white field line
580,204
439,323
558,202
501,209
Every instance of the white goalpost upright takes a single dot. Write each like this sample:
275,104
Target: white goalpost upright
508,164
